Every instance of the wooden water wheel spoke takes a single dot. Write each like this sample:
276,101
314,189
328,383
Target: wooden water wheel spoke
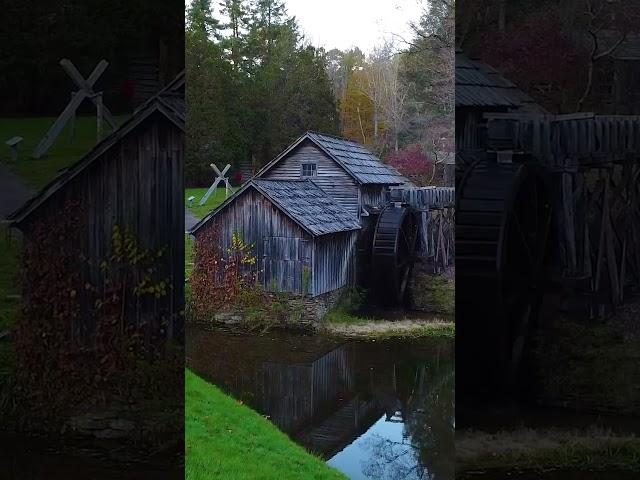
393,253
513,217
523,236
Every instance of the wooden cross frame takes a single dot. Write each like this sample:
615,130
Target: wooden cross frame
85,90
220,178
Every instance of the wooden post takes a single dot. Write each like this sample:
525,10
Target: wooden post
99,113
13,144
73,122
569,220
85,91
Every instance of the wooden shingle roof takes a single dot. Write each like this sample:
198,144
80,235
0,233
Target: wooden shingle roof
171,104
358,161
302,201
479,85
354,158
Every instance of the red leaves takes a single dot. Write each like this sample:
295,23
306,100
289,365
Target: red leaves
412,163
74,337
219,278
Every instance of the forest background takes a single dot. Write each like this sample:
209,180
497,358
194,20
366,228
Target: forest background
255,84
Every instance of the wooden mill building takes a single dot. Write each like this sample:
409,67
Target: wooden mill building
481,89
303,212
133,179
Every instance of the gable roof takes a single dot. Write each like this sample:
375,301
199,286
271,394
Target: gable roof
169,104
353,157
479,85
302,201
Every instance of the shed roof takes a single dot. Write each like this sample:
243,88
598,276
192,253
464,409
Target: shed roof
479,85
353,157
302,201
169,103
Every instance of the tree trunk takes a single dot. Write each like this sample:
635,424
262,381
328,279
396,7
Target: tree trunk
502,15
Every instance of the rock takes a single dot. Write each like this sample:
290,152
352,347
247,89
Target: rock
121,424
110,434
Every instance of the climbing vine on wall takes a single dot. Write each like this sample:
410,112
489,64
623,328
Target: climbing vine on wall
227,281
220,278
89,327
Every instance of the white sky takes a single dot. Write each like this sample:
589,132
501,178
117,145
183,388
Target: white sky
344,24
347,23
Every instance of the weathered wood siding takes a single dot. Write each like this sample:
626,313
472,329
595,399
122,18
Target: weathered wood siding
330,176
282,247
373,195
287,264
294,394
572,140
138,183
144,71
468,128
334,261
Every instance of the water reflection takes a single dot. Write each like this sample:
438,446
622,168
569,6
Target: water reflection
372,409
32,459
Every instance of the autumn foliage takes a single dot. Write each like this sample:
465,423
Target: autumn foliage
75,340
414,164
219,277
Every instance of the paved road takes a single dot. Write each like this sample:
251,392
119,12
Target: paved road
189,219
13,192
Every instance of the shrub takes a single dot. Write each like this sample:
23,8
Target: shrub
77,342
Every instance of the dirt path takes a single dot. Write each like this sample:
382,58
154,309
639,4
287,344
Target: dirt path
13,192
189,220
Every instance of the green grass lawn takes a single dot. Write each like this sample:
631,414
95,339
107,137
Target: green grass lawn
227,440
64,152
213,201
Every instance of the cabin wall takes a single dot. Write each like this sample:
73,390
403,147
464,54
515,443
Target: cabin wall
373,195
330,176
282,247
470,127
334,261
138,183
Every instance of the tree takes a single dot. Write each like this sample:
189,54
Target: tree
551,50
357,109
253,86
237,13
200,18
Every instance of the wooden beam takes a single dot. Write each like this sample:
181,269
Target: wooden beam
87,84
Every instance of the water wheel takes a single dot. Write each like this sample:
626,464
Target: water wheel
503,220
393,253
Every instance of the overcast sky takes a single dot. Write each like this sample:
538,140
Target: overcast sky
346,23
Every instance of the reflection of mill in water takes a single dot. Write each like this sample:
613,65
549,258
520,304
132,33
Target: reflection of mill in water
329,402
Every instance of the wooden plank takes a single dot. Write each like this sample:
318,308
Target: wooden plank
569,220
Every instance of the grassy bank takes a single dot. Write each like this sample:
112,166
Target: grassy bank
589,366
349,326
346,320
38,172
434,293
227,440
527,449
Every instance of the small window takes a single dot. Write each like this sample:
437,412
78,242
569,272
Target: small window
309,169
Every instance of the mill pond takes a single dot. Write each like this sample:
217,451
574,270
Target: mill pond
374,409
